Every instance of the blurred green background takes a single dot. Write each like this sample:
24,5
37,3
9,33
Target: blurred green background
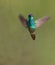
16,44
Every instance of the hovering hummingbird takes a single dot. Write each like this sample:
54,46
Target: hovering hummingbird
31,24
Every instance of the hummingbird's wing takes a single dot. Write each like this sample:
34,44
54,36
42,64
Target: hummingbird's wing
41,21
23,21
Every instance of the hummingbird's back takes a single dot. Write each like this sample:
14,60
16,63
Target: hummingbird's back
31,23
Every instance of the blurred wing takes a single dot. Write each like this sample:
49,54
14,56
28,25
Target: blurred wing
23,20
41,21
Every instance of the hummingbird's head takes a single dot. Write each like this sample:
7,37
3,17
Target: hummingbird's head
30,16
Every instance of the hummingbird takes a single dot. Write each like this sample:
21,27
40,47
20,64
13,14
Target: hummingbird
32,24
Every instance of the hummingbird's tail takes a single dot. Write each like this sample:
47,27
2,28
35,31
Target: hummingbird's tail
33,36
32,33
